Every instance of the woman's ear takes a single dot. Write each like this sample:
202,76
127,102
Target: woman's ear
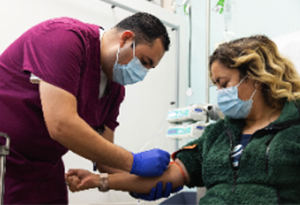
257,84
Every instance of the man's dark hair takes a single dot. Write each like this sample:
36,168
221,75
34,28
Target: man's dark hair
146,28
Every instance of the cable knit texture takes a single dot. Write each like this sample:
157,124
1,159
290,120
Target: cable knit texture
269,170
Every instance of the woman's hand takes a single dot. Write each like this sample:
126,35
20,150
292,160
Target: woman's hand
72,182
80,179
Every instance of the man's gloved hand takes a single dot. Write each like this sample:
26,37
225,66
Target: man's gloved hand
157,192
150,163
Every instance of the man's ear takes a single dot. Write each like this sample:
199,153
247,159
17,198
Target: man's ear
126,36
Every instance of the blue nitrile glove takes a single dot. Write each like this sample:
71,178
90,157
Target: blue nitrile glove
157,192
150,163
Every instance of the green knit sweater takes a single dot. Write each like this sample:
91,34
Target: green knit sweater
269,168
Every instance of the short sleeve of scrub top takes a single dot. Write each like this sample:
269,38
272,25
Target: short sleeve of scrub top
55,56
110,120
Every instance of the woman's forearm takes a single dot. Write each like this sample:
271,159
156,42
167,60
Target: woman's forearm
80,179
132,183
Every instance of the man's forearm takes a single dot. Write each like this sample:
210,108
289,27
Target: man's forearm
75,132
69,129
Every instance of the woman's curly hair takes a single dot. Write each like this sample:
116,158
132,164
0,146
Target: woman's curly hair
258,58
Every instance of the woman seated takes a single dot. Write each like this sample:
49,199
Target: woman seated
252,156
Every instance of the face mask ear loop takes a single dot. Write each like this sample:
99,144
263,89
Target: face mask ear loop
253,94
133,49
117,55
241,81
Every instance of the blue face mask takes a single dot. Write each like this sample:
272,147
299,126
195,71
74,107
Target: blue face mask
231,105
130,73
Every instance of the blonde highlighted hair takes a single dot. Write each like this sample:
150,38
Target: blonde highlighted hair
258,58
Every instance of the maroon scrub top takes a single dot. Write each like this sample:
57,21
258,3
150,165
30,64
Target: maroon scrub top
66,53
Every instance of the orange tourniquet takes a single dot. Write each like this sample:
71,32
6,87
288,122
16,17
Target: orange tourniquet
180,170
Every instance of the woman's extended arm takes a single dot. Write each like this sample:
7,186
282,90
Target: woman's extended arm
83,179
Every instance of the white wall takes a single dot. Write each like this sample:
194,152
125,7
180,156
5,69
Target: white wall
143,113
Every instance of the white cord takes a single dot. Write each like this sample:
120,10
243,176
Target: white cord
155,136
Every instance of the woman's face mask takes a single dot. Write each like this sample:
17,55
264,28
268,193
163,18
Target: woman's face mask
130,73
231,105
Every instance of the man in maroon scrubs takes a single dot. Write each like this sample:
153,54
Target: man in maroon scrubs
61,86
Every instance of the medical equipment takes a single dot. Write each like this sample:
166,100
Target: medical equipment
191,113
186,130
189,122
227,8
219,7
4,150
229,17
185,4
196,112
